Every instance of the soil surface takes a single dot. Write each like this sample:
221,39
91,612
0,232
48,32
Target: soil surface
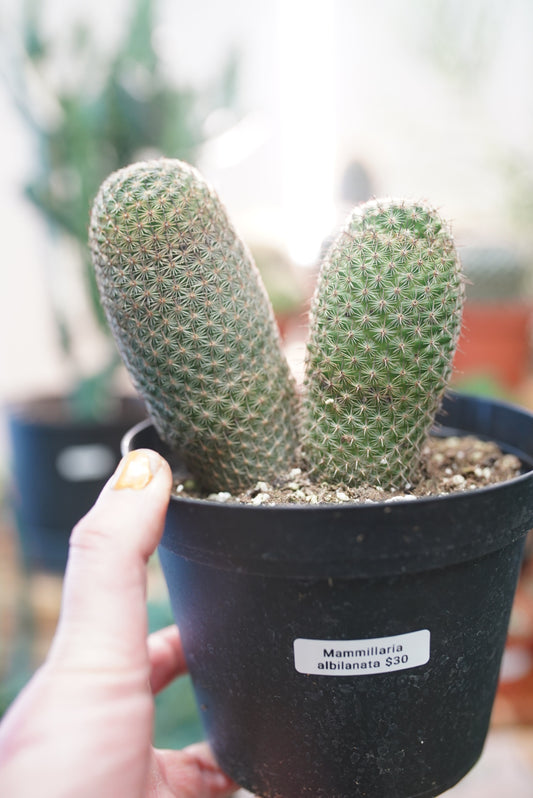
449,465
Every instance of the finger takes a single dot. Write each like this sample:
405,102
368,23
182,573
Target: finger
192,773
167,660
103,617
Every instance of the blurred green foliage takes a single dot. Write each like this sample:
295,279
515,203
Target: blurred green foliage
177,720
92,112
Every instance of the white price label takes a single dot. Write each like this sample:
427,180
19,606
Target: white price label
362,657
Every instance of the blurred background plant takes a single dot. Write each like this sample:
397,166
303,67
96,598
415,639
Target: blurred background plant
91,111
89,106
462,44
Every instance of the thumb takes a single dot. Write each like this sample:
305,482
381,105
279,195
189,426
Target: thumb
103,616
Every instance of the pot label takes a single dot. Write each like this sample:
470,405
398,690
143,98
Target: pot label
362,657
86,462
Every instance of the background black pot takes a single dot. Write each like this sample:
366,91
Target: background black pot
351,650
58,467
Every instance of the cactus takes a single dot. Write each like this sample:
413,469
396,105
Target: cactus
197,333
385,320
193,324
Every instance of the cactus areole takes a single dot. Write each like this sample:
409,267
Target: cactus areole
193,323
197,333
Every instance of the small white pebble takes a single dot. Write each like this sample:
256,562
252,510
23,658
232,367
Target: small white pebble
486,473
261,498
448,471
342,496
262,487
409,497
179,489
293,485
295,472
458,480
312,499
223,496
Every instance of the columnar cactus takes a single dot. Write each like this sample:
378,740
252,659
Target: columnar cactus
197,333
193,324
385,320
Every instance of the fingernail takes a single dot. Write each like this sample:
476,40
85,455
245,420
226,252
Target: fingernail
136,471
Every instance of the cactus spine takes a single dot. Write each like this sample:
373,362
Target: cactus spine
385,320
193,324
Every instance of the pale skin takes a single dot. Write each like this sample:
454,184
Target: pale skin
83,725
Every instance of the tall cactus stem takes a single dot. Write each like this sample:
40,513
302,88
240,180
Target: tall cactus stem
194,324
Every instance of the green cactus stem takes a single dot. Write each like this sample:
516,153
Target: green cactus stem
385,320
194,324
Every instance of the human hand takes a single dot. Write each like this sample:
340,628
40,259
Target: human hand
82,727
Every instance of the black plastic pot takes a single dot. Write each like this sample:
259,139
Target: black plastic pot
351,650
58,467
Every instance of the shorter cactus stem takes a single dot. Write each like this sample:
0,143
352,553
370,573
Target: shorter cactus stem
385,321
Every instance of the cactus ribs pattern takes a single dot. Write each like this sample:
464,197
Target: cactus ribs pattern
193,324
385,320
196,330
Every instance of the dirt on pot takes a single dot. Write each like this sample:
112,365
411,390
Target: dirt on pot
449,465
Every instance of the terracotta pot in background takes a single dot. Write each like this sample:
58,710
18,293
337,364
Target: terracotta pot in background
495,343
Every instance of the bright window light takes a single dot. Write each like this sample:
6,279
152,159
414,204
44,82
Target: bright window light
307,56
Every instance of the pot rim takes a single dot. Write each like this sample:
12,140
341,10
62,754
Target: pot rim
441,428
388,537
